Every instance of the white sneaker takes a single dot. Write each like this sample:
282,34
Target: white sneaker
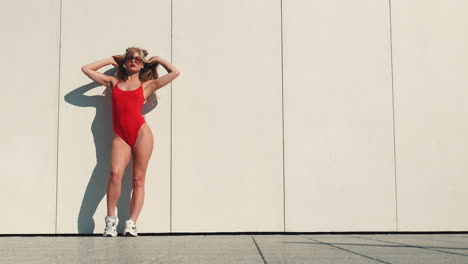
130,228
111,226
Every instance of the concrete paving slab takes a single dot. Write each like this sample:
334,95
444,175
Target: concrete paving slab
214,249
295,249
453,239
86,249
442,238
435,237
387,251
256,248
143,249
437,243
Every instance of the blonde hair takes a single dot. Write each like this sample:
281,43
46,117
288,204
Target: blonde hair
148,72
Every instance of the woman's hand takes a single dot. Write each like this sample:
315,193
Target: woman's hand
154,59
114,60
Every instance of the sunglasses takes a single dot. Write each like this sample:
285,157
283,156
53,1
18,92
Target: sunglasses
137,59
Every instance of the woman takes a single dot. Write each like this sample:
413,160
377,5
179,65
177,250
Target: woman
136,78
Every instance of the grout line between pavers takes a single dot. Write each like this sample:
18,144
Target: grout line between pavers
439,240
413,246
347,250
258,249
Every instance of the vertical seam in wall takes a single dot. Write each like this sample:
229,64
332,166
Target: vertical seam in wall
58,114
393,112
170,182
282,116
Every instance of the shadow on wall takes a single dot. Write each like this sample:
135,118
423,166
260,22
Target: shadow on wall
101,128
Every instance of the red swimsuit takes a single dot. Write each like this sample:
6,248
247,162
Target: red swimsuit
126,113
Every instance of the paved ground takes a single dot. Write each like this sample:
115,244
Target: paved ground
297,248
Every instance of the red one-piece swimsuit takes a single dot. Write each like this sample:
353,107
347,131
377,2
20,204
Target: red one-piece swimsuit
126,113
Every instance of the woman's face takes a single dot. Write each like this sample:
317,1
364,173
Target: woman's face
134,62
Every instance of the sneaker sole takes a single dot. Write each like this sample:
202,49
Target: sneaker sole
128,235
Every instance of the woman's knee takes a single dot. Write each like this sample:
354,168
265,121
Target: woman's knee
139,178
138,182
116,175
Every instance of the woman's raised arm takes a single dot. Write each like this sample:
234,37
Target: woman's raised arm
173,72
91,71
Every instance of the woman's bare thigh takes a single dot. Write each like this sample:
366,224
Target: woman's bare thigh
120,154
143,147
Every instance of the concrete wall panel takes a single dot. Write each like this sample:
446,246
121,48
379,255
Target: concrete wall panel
28,114
227,127
431,109
339,165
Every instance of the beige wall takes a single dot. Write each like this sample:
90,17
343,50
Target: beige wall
286,115
28,113
227,129
339,166
431,113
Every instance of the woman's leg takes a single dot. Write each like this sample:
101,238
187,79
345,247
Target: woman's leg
141,154
120,156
